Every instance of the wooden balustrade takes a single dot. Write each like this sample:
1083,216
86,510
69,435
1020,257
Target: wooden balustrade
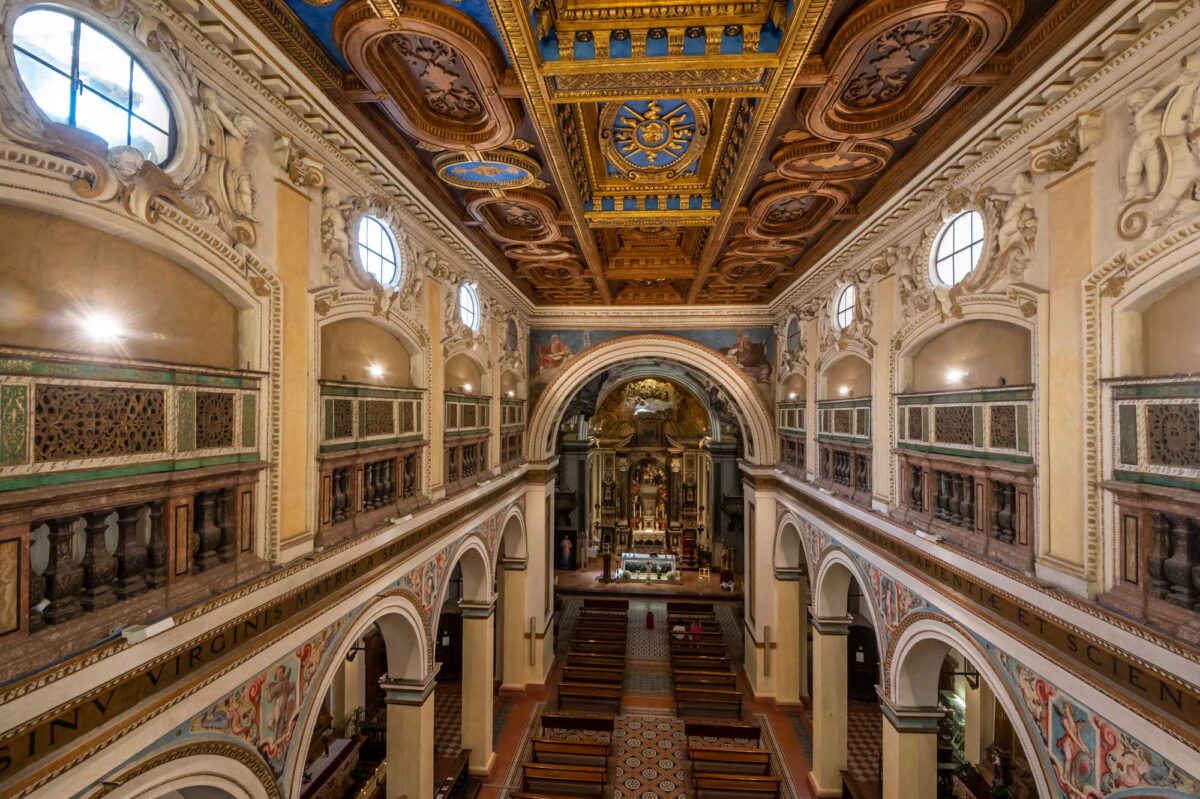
845,470
466,463
793,453
361,490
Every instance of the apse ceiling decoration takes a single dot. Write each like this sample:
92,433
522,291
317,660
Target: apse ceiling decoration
665,152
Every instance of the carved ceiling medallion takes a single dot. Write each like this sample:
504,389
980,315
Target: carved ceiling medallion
893,64
653,139
824,160
795,211
517,217
498,169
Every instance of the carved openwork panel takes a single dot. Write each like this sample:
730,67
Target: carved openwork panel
894,64
80,421
377,418
954,425
841,422
916,424
214,420
1173,434
1003,427
341,420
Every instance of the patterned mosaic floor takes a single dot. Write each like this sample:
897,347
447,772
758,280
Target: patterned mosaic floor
447,718
650,753
865,739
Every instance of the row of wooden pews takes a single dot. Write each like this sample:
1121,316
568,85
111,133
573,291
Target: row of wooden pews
722,772
705,684
558,769
593,678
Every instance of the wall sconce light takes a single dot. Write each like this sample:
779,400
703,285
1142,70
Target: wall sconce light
954,376
101,326
466,388
511,393
791,395
375,371
844,391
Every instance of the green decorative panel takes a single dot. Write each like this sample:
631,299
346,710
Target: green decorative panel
14,424
249,420
977,413
1127,434
1023,428
187,421
328,419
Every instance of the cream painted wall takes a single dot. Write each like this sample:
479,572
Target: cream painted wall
461,369
53,269
985,349
850,371
350,346
1169,339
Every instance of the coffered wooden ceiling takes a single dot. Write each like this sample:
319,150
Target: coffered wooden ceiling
679,151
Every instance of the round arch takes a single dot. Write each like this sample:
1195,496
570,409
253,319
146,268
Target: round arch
471,353
790,551
831,593
676,374
909,340
408,332
512,544
205,768
477,577
756,418
409,657
912,668
826,365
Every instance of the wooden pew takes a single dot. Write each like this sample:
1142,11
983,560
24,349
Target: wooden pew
590,696
560,779
596,675
700,662
723,729
693,608
708,703
692,648
598,646
722,760
736,786
705,679
596,603
594,660
573,753
700,637
573,721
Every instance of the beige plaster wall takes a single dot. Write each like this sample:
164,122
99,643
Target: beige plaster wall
795,384
1169,340
986,349
850,371
53,269
350,346
459,370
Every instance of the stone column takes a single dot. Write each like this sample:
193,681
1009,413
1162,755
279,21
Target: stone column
909,751
539,575
409,738
513,624
981,722
477,683
791,611
829,699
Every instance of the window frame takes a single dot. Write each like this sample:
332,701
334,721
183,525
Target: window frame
360,245
793,331
469,290
838,310
78,85
947,229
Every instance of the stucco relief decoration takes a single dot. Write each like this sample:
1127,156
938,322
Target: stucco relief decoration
263,712
1065,148
858,332
1088,756
1163,164
214,184
792,360
294,161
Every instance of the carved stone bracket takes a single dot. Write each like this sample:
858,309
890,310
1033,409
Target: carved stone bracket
302,169
1065,148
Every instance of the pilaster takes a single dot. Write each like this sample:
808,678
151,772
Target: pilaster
910,738
477,683
830,724
409,738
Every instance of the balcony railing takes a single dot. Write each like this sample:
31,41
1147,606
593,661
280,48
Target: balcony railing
512,426
1156,490
790,417
127,490
369,466
844,448
468,430
467,415
966,469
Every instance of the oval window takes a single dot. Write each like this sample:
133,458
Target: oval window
377,250
468,306
846,300
958,248
80,77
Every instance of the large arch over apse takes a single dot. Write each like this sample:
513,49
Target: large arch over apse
748,403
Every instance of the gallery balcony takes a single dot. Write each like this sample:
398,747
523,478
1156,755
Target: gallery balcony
127,491
468,431
967,470
1155,487
791,419
369,463
844,448
512,429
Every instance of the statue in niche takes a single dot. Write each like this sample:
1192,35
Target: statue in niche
1164,161
227,148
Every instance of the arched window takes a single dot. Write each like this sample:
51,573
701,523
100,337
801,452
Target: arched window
468,306
958,248
844,313
511,340
377,250
793,335
78,76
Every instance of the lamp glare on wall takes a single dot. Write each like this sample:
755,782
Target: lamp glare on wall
955,376
375,371
791,395
466,387
844,390
101,326
511,393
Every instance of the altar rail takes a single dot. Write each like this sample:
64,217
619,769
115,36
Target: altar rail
1155,485
127,490
966,469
